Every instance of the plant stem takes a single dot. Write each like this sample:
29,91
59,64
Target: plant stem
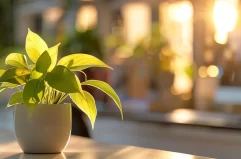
84,75
62,98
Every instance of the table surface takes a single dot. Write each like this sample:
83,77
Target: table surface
83,148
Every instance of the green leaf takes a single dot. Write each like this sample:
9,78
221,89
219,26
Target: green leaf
42,66
53,52
106,88
16,60
2,71
62,79
36,75
78,62
33,92
43,63
15,76
9,85
86,104
16,98
2,89
35,45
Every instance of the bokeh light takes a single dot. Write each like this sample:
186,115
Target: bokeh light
213,71
51,15
202,71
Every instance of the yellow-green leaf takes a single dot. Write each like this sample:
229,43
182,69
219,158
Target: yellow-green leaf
78,62
53,52
5,85
9,85
42,66
33,91
16,98
16,60
36,75
35,45
15,76
62,79
86,104
106,88
2,71
43,63
2,89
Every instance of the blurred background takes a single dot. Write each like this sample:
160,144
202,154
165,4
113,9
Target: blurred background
177,67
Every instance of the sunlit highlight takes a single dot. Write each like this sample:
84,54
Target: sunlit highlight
182,83
137,20
182,156
221,37
225,17
180,11
182,116
177,28
86,17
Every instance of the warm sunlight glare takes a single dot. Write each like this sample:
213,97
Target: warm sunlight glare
181,116
181,156
221,37
86,17
137,20
225,17
180,11
182,83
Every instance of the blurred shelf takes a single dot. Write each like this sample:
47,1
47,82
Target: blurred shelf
185,117
228,95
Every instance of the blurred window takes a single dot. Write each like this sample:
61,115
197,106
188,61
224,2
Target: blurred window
176,21
137,20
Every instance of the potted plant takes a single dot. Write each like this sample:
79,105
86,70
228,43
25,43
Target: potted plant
42,123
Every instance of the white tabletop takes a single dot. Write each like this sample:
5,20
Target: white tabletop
83,148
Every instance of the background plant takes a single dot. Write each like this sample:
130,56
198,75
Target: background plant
154,47
87,41
50,82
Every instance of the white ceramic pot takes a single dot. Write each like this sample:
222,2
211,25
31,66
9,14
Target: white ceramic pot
46,130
